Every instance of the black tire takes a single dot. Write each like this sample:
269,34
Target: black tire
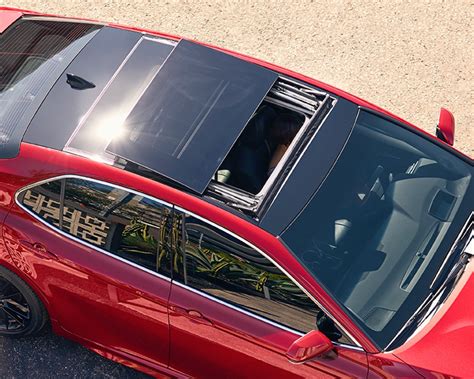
30,317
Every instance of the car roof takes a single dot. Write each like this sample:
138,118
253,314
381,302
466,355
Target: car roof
303,180
191,164
282,70
191,114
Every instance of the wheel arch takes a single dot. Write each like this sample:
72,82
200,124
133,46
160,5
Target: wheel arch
36,289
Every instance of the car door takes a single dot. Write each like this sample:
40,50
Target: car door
234,313
98,252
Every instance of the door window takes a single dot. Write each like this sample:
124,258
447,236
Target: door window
113,219
222,266
44,201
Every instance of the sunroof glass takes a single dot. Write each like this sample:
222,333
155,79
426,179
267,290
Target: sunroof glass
192,113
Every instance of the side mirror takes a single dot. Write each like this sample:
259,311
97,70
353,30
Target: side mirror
308,346
445,128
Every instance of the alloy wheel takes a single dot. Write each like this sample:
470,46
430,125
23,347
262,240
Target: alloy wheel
15,314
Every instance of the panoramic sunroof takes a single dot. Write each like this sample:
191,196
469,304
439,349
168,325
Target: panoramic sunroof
192,113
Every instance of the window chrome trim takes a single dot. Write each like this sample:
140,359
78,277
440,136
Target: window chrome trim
255,316
78,240
356,343
357,346
234,307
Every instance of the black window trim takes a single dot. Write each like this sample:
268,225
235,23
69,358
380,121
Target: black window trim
356,345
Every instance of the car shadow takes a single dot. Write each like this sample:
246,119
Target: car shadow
51,356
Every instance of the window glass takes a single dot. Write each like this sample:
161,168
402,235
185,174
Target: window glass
380,226
115,220
33,54
127,225
44,201
111,108
219,94
222,266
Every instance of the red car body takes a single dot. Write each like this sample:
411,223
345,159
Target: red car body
158,327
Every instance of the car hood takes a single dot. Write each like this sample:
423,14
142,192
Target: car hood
445,344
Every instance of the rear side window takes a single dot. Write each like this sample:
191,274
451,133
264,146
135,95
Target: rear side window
112,219
33,54
220,265
44,201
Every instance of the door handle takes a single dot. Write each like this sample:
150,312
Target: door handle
192,314
38,249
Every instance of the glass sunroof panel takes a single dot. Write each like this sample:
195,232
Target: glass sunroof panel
191,114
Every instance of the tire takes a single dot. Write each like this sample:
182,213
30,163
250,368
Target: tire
21,312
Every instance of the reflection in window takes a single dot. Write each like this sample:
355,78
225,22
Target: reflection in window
44,201
221,265
127,225
33,54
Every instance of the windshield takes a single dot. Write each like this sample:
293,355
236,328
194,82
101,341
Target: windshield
33,54
378,229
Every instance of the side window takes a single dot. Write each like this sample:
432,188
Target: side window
220,265
44,201
125,224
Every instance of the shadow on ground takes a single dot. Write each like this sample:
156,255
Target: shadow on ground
50,356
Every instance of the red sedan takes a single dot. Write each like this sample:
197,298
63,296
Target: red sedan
192,212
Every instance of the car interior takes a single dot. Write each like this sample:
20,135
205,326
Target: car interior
280,126
259,149
393,198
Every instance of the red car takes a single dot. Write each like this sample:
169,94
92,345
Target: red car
192,212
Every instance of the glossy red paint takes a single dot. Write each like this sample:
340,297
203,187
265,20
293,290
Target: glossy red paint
388,366
312,344
255,348
8,17
446,126
82,278
169,323
87,285
437,347
38,163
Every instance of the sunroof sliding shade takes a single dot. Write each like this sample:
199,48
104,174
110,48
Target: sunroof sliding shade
191,114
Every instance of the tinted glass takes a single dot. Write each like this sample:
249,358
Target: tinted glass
110,110
33,54
65,107
222,266
115,220
378,229
44,201
130,226
192,113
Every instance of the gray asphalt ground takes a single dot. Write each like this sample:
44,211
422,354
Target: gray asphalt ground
53,357
410,57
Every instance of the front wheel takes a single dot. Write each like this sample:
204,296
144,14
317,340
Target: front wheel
21,312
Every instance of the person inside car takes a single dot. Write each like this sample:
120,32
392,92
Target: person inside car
282,132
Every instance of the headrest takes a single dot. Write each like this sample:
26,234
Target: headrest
256,130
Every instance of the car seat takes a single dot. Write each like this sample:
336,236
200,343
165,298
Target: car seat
249,162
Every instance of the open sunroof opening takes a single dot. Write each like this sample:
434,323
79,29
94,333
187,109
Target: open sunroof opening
274,138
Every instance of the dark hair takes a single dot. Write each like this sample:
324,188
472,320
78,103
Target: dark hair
285,128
